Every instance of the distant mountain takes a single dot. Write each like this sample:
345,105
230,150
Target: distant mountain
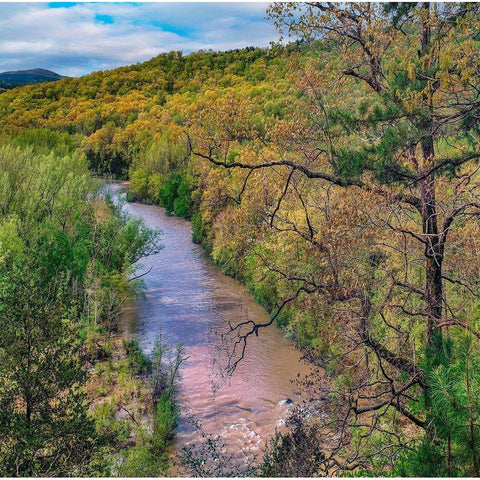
27,77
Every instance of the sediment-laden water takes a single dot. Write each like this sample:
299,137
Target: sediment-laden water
190,300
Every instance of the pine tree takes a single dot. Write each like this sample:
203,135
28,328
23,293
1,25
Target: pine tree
453,402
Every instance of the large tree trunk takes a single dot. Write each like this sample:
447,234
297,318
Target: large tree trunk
433,247
433,250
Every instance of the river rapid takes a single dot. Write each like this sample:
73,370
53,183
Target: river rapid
189,300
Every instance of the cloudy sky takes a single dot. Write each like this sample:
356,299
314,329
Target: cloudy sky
78,38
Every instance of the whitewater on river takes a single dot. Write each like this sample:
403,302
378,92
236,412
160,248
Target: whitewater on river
188,299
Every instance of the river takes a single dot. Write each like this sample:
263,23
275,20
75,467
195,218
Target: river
188,299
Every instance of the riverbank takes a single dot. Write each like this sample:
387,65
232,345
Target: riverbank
122,401
66,254
131,395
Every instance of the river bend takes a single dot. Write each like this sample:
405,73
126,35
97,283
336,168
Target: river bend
188,299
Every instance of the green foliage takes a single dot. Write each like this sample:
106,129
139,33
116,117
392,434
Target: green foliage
451,445
11,244
182,205
165,421
138,188
44,425
142,461
152,166
64,258
40,188
149,457
426,460
139,363
174,195
45,141
169,192
121,242
108,426
199,228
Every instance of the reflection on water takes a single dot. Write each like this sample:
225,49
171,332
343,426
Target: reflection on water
188,299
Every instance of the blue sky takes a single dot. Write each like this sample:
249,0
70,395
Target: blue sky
78,38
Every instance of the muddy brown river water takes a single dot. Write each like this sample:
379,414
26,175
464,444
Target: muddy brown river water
188,299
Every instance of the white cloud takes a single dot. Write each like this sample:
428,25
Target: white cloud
75,41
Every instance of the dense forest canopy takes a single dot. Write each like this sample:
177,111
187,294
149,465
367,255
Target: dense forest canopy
114,114
338,178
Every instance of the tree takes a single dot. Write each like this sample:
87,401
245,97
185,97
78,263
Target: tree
44,425
429,98
402,145
65,256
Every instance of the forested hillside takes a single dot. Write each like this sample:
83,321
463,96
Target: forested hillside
27,77
114,115
338,178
